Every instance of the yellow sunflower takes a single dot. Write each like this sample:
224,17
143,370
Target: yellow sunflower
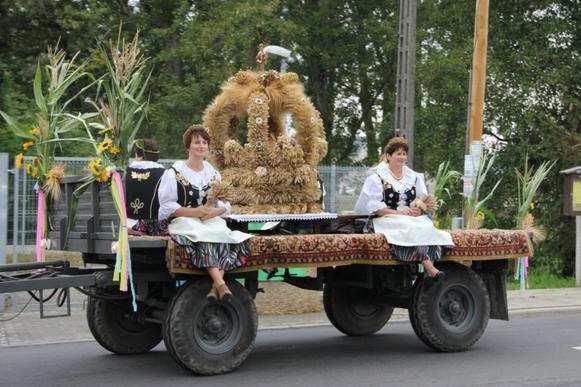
106,130
19,160
26,145
114,150
104,145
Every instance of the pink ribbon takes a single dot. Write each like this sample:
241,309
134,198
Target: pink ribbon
40,226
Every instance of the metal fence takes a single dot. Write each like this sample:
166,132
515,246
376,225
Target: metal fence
342,185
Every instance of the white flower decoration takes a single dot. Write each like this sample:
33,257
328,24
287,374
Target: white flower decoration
260,171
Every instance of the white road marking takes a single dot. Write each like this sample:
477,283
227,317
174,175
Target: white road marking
577,348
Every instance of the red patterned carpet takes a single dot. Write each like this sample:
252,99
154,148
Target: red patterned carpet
320,250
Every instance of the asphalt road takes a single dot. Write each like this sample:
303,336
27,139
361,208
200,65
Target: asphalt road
535,350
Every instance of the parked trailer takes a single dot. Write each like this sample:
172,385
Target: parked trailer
360,281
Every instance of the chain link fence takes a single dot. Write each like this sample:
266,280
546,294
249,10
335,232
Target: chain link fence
342,186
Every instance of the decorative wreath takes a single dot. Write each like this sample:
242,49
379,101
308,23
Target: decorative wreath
272,172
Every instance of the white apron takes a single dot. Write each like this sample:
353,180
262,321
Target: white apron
212,230
403,230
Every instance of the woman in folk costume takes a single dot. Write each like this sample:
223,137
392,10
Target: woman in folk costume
395,192
195,221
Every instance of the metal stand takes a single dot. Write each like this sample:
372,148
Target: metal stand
578,250
3,214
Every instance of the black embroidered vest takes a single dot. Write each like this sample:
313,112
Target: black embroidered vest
391,196
188,195
141,192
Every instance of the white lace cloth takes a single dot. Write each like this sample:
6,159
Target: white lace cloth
281,217
403,230
212,230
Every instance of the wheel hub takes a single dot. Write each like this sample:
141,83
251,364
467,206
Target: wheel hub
456,307
217,327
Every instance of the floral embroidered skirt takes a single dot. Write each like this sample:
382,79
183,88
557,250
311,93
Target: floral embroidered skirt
416,253
225,256
151,227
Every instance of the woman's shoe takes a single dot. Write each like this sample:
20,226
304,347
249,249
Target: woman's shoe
224,292
212,294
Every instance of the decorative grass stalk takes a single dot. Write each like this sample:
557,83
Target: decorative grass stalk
444,179
473,204
528,183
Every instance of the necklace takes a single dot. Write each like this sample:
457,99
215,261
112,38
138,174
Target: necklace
394,176
195,168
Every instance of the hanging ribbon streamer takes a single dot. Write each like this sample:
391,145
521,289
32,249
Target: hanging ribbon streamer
40,224
123,273
522,271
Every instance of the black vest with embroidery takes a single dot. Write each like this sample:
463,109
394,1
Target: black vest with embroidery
141,192
188,195
391,196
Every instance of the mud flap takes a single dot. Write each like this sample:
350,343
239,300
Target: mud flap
494,274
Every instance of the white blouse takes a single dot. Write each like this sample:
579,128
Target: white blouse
371,196
168,193
144,164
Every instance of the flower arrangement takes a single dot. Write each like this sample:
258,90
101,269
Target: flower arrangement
45,137
120,111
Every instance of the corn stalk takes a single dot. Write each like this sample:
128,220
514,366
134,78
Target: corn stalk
473,204
528,183
445,177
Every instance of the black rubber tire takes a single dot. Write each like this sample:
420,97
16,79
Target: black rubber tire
116,328
450,315
352,312
210,338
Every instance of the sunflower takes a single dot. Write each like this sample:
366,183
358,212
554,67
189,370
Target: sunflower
114,150
102,176
19,160
34,131
104,145
26,145
32,170
106,130
95,166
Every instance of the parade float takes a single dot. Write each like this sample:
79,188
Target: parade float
270,177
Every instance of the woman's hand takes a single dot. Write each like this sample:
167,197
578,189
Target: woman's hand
404,211
415,211
211,212
202,212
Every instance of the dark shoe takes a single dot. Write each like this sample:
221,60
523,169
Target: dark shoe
438,277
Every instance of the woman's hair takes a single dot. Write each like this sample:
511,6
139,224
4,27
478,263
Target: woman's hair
195,131
395,144
147,149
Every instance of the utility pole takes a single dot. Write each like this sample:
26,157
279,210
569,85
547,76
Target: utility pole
405,76
476,97
478,75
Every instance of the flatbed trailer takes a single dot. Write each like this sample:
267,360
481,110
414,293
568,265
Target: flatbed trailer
360,281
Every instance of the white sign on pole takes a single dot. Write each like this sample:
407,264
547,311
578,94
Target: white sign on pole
471,164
